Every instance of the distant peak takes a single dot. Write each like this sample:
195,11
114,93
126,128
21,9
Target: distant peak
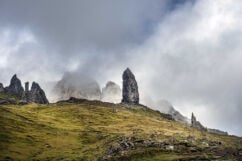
14,76
127,70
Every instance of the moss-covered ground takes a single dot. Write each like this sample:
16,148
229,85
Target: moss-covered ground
85,131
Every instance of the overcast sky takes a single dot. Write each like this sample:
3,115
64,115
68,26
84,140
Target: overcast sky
185,51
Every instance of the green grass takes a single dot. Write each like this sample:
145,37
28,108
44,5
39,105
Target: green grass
67,131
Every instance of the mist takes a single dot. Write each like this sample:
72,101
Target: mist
186,52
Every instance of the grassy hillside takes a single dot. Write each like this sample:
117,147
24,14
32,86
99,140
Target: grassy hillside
92,130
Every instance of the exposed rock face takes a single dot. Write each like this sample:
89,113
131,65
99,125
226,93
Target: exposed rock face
8,101
130,88
27,93
15,88
37,95
196,124
76,85
111,93
166,107
1,88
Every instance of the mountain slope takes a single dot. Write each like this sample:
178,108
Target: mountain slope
93,130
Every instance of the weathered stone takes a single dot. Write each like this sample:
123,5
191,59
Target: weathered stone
26,86
15,88
22,102
196,124
216,131
27,94
1,88
7,101
37,94
130,88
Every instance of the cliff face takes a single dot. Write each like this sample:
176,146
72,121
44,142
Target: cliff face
130,88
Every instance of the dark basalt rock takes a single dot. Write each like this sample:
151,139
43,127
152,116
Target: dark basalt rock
130,88
196,124
219,132
27,94
1,88
22,102
8,101
15,88
37,94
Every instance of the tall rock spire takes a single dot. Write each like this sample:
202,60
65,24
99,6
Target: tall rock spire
15,88
1,88
196,124
130,88
27,94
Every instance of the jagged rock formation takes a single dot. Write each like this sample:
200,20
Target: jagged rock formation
1,88
76,85
176,115
111,93
130,88
196,124
166,107
15,88
216,131
37,94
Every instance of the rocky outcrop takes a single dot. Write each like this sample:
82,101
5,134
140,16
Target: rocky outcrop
27,95
111,93
37,94
76,85
166,107
130,88
216,131
8,101
1,88
15,88
196,124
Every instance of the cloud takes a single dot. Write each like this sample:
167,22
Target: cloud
187,53
195,62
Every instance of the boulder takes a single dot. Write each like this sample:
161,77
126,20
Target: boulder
15,88
130,88
8,101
